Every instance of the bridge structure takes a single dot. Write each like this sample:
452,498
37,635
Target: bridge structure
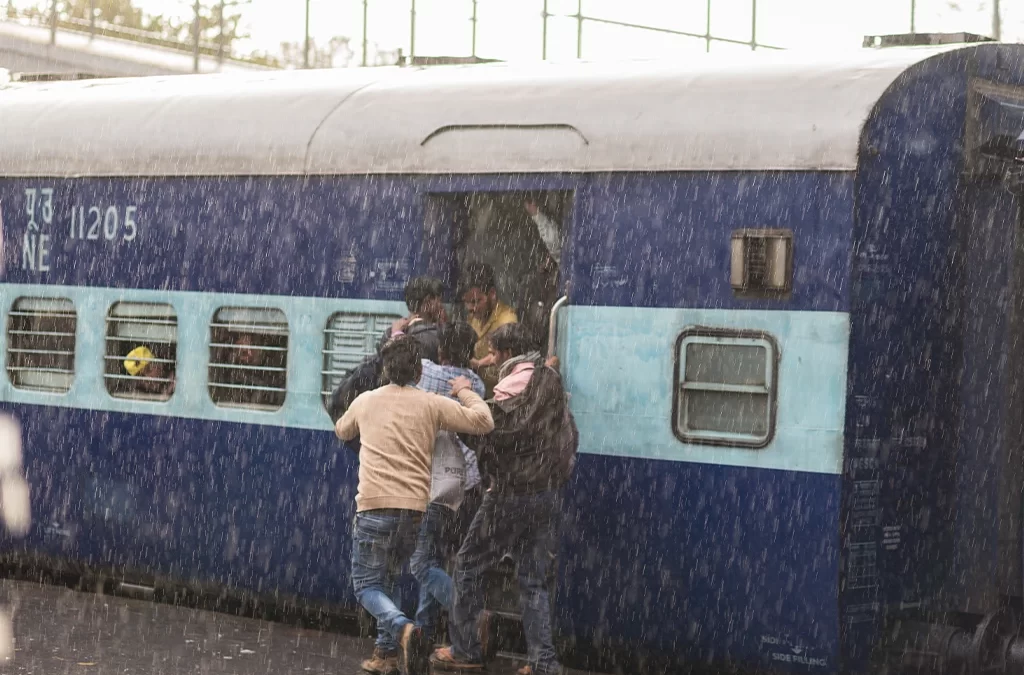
32,52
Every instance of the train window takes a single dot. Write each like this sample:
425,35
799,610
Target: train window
41,344
725,387
348,339
142,351
249,358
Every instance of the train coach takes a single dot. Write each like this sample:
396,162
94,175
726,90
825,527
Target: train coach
790,310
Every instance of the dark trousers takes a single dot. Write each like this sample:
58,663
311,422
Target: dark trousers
440,537
526,526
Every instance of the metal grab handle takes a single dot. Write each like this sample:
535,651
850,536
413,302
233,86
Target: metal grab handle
553,324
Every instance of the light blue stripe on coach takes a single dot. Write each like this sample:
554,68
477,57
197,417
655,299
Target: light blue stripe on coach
618,364
307,318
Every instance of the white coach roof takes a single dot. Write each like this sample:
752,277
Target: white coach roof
777,111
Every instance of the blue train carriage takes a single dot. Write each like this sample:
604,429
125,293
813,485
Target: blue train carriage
792,305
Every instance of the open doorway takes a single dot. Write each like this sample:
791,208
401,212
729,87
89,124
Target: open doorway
518,234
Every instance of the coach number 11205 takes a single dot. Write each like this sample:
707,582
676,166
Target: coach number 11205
92,223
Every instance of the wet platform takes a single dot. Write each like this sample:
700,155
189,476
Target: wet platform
61,631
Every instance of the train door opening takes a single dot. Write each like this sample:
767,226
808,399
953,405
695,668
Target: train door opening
519,235
516,234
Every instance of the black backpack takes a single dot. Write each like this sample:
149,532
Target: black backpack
365,377
535,440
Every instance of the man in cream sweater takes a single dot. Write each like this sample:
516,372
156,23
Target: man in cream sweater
397,425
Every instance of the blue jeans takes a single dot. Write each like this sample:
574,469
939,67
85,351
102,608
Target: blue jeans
433,549
382,541
440,536
526,525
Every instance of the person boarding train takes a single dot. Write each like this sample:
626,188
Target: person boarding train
397,425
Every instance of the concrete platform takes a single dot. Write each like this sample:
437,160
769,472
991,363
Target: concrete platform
60,631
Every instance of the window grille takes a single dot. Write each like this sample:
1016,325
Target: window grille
142,351
249,358
762,262
348,339
41,344
725,388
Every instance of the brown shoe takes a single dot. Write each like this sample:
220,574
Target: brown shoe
525,670
444,659
415,651
381,663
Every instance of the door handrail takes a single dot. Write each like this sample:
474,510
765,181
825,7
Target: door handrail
553,324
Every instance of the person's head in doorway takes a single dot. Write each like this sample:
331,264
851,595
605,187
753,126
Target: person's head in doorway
423,297
457,341
510,341
486,314
477,291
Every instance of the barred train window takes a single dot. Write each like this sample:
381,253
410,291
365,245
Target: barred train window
41,344
249,358
348,339
725,388
142,351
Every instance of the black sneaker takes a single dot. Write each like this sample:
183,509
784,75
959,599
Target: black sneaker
488,640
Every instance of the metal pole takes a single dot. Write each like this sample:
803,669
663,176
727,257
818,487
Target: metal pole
366,7
579,29
753,25
997,22
305,47
544,33
92,19
195,45
221,40
473,47
53,22
913,16
707,29
412,31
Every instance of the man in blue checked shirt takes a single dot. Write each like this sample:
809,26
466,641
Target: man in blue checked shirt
455,492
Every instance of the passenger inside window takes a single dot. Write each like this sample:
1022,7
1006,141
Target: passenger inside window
248,367
246,372
244,354
151,374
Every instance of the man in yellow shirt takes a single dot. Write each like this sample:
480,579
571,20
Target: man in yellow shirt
486,314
